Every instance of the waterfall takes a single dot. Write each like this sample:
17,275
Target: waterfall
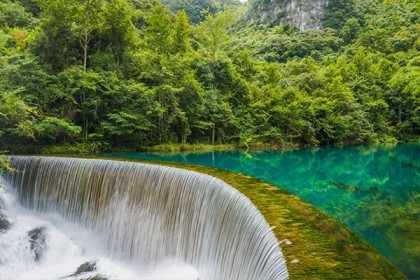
149,214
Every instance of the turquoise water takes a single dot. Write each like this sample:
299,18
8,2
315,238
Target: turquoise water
373,189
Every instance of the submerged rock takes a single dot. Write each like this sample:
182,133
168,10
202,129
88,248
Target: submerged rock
344,186
414,165
37,238
352,188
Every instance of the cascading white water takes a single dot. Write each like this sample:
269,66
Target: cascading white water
149,215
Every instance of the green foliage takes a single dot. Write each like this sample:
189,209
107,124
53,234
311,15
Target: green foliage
16,117
13,14
182,33
73,149
195,9
53,129
284,42
128,74
337,12
4,164
158,31
72,30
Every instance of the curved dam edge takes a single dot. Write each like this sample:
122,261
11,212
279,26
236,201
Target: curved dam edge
314,244
147,214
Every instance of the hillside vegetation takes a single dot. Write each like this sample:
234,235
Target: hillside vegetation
98,75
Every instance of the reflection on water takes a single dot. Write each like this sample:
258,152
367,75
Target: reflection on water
373,189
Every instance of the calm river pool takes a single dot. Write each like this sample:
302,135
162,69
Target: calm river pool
373,189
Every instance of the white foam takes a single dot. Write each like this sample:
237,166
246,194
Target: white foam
171,270
68,246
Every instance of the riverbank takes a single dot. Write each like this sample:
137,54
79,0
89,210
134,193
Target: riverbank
83,148
201,147
314,244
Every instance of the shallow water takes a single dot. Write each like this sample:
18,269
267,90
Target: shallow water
373,189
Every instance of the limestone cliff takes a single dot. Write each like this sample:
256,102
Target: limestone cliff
305,14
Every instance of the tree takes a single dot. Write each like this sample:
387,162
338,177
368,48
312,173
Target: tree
88,25
13,14
182,34
194,8
405,98
212,37
81,19
55,130
17,118
158,31
4,164
118,34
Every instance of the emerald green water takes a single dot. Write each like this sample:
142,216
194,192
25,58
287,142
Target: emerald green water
373,189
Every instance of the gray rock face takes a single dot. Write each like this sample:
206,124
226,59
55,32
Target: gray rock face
4,222
37,238
305,14
85,267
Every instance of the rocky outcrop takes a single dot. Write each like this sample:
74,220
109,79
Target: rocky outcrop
86,268
304,14
37,238
4,222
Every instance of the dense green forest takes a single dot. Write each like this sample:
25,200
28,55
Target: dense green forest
98,75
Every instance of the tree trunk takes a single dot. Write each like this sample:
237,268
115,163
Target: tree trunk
86,121
86,38
85,118
213,71
85,51
399,113
160,129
